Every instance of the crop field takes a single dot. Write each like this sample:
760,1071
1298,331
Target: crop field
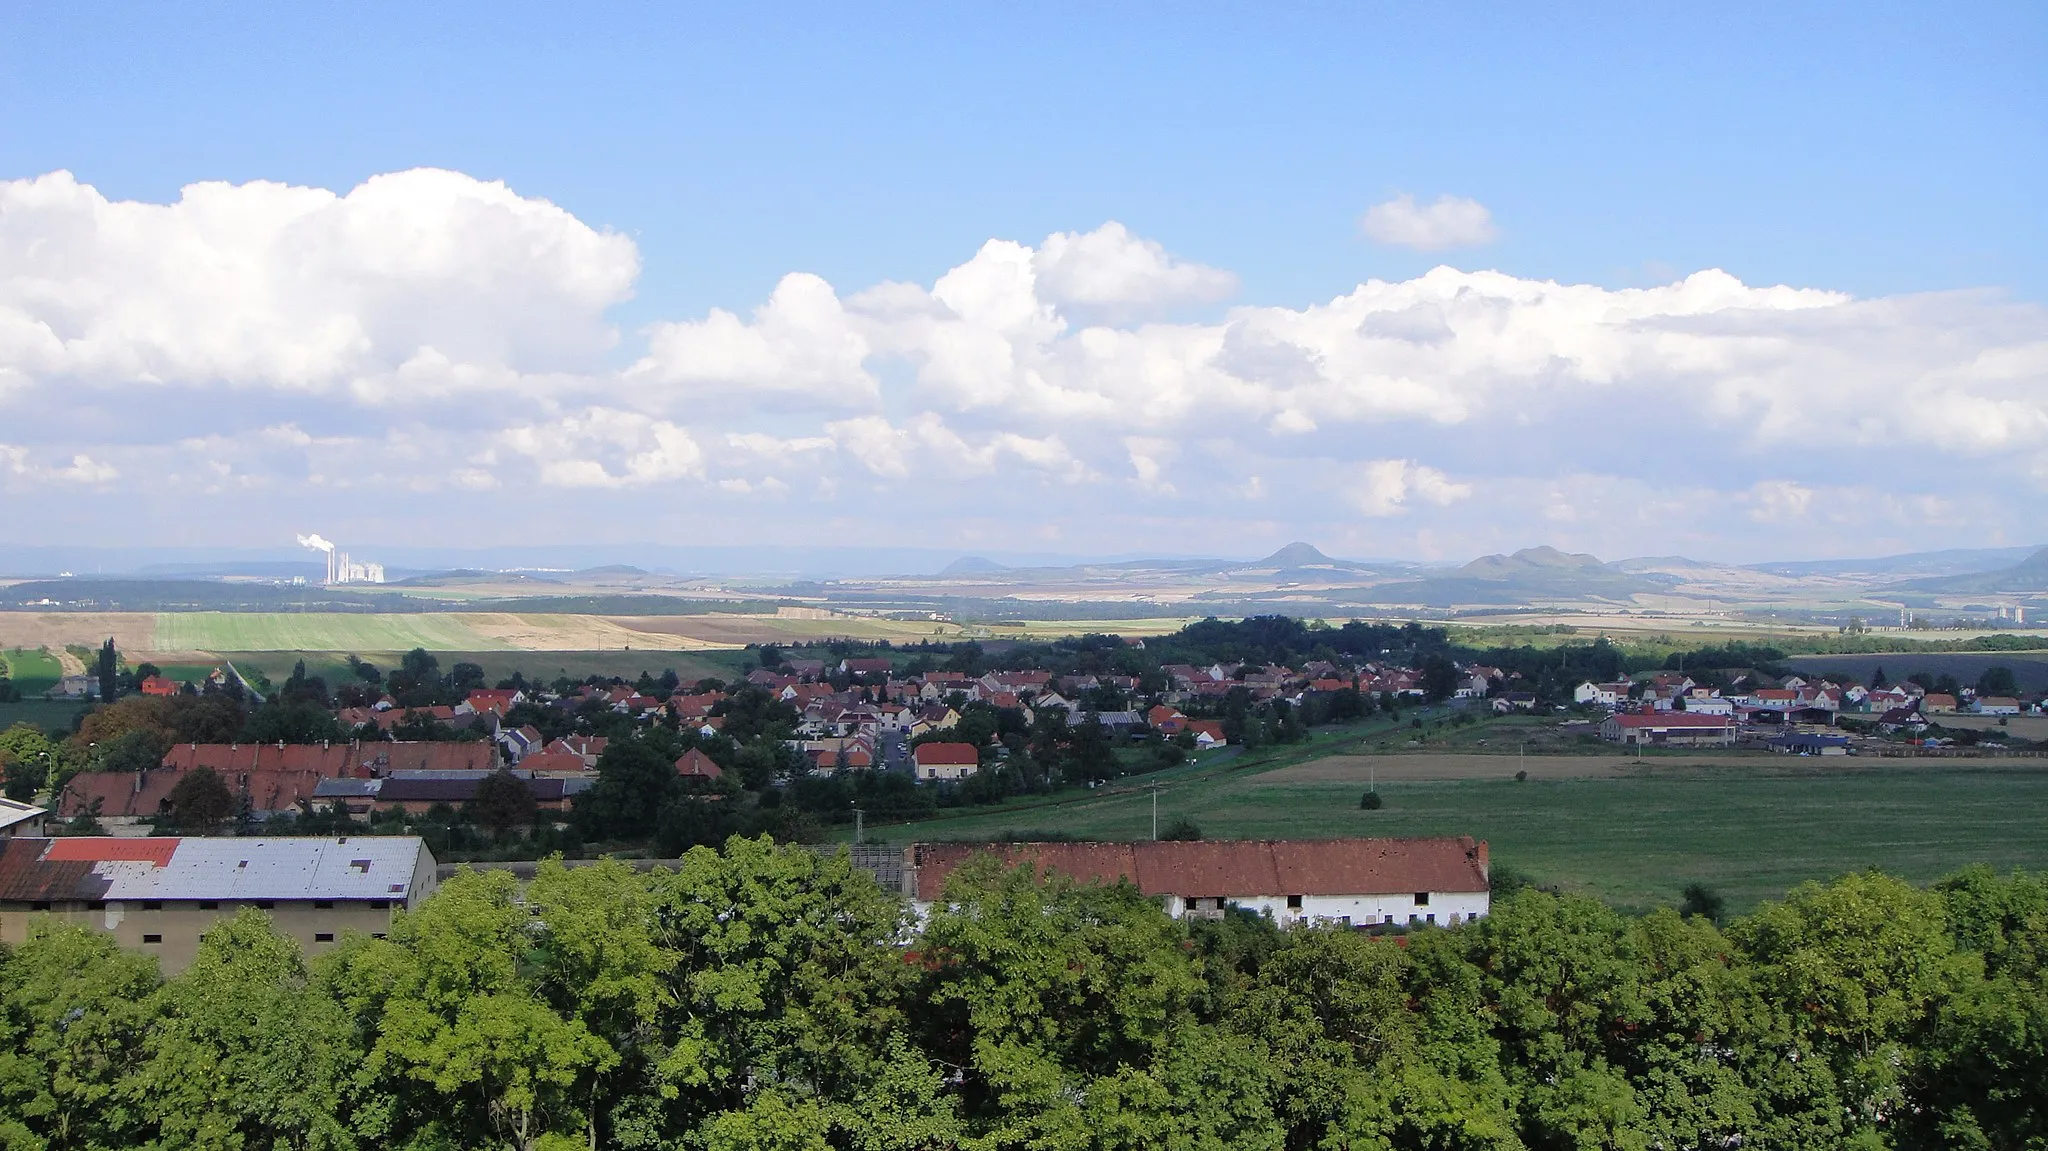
732,629
313,631
1632,834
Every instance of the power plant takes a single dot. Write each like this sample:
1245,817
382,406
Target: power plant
341,568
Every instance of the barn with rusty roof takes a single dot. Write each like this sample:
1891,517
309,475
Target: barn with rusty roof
158,894
1350,882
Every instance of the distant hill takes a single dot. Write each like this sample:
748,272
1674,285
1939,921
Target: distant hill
1301,557
972,565
1544,561
1948,562
2027,576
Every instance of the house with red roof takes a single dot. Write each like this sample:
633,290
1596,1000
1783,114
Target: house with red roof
694,764
945,761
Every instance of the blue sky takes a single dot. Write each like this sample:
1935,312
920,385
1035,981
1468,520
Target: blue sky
1875,151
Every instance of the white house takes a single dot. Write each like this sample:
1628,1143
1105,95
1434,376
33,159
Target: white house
1604,694
1997,705
1341,882
1709,705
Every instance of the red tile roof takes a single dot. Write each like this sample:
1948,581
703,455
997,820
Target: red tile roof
947,755
1239,868
696,764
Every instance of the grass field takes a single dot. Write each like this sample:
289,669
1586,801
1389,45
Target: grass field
1634,835
50,715
33,672
313,631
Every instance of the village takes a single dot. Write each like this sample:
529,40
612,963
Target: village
884,714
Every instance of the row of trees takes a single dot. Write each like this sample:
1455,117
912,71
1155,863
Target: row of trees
766,998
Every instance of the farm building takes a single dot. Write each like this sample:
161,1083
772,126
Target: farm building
20,818
159,895
1669,729
1346,882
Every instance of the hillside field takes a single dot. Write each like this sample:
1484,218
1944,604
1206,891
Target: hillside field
33,671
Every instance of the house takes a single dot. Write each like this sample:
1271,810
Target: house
492,702
1938,703
945,761
694,764
1165,720
1997,705
158,895
1508,701
1208,733
554,763
1906,718
20,819
1341,882
1709,705
1669,729
158,685
874,669
1603,694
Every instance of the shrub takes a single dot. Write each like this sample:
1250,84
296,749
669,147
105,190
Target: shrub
1371,801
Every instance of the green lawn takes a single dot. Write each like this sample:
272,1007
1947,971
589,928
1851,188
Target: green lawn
1749,830
32,672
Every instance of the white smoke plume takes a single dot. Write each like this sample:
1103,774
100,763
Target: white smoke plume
316,543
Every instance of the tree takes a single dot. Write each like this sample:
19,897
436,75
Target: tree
502,802
1703,901
26,755
1181,830
201,799
109,672
461,1036
74,1008
633,783
1997,681
132,751
242,1052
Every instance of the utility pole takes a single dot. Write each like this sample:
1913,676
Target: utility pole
1155,810
857,813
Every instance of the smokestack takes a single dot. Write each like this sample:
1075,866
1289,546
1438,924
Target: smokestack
317,544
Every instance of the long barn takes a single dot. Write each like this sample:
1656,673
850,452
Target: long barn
1345,882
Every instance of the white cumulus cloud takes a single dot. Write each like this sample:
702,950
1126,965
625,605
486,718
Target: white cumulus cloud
1446,222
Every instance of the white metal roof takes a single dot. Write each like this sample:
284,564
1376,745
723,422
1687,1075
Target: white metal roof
354,867
12,813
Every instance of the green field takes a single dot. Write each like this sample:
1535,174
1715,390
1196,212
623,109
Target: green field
1750,829
32,672
541,665
50,715
314,632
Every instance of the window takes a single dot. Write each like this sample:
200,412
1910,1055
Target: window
152,905
1432,917
362,865
322,904
96,905
152,938
266,904
323,937
1422,899
209,905
1219,903
380,905
39,905
1294,902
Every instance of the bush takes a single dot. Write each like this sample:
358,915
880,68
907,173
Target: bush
1371,801
1181,830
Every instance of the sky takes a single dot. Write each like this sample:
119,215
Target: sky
1742,283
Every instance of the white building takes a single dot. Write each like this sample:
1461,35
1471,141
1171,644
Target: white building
1344,882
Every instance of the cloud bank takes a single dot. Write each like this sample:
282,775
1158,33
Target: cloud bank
428,353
